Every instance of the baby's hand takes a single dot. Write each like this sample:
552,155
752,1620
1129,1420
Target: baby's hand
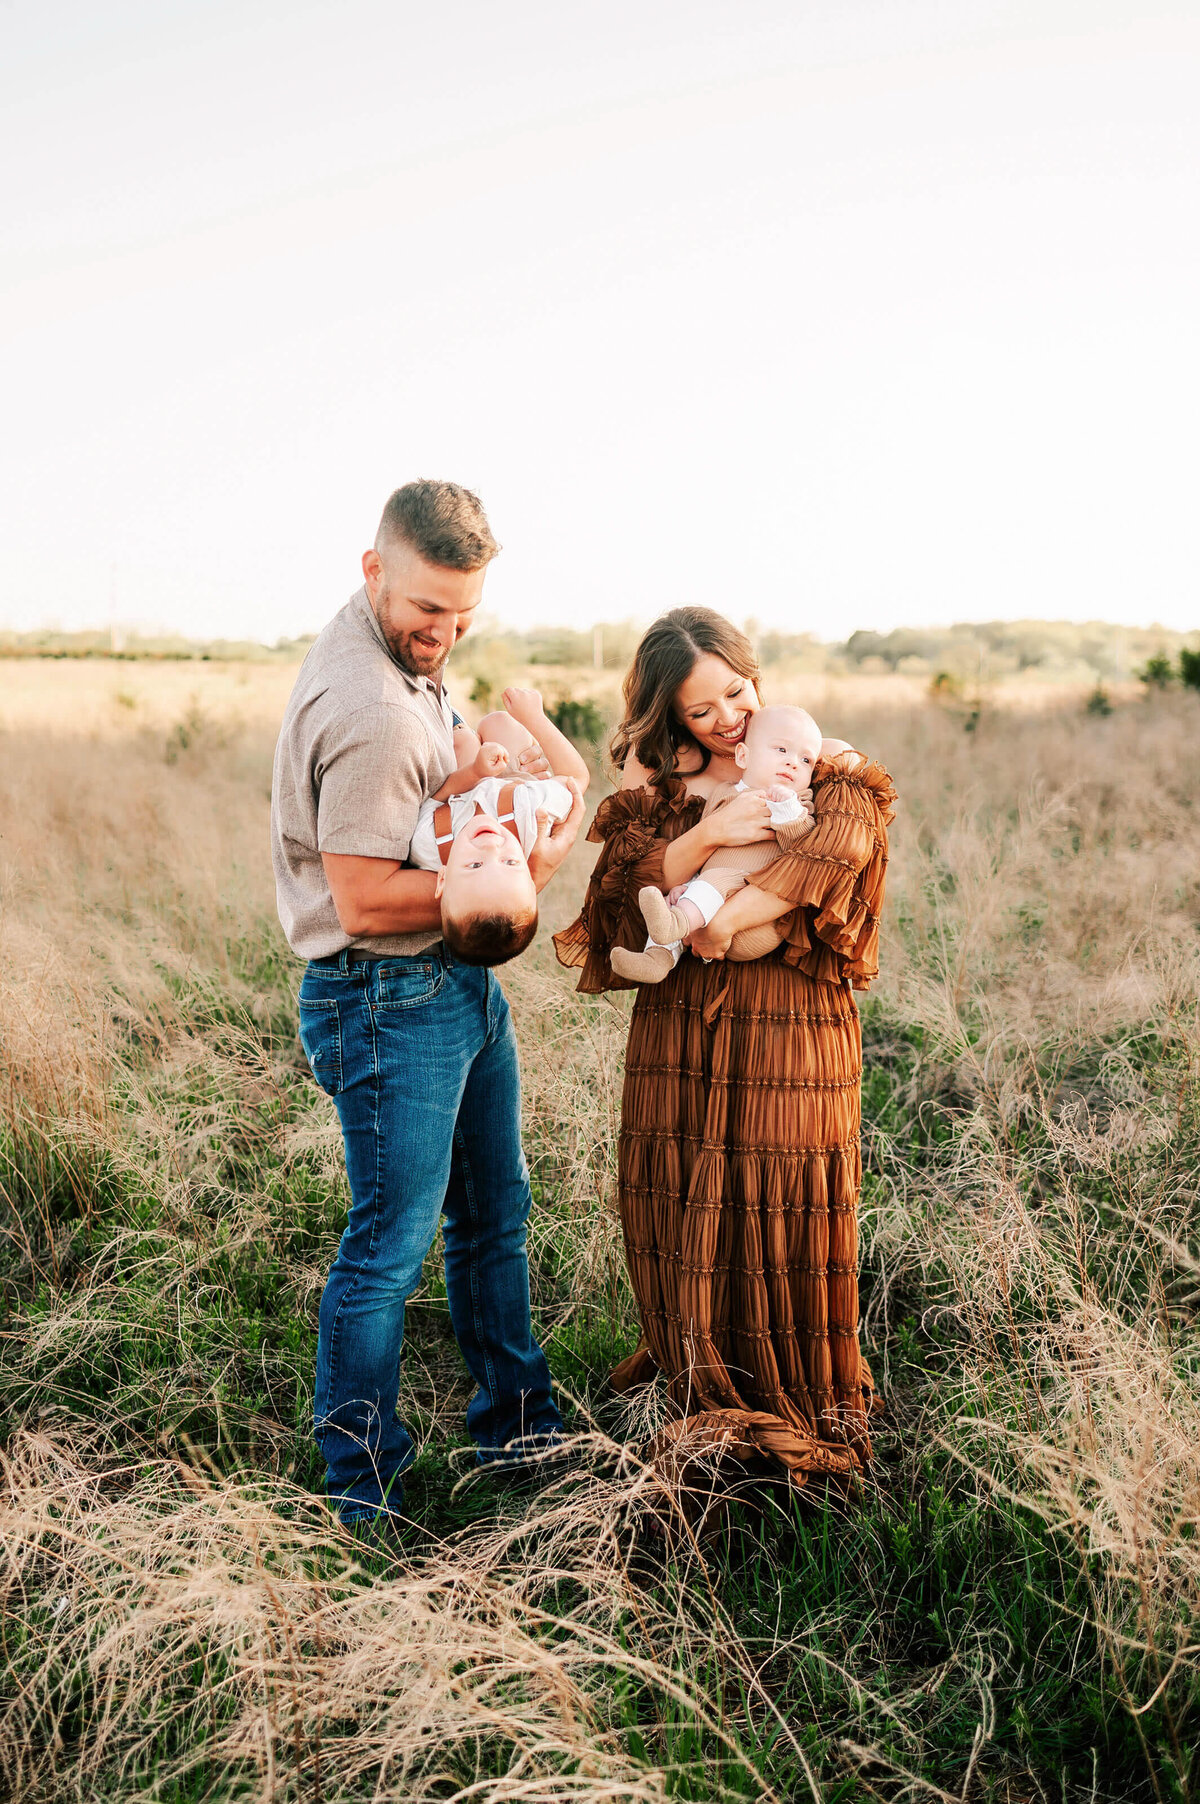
525,706
491,760
779,792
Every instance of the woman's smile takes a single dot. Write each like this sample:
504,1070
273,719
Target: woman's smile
714,702
723,741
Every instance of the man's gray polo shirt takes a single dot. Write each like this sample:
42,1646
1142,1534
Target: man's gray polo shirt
363,742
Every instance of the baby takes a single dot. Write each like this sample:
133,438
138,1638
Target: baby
776,758
478,829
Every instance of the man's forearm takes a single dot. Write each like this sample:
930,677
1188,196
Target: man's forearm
376,897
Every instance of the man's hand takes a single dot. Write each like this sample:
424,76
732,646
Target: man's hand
533,762
711,941
555,838
491,760
526,707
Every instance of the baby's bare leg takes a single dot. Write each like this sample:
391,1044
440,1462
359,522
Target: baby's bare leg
466,746
501,729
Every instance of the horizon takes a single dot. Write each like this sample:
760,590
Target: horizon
487,627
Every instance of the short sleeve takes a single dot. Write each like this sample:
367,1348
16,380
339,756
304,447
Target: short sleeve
373,769
634,828
835,874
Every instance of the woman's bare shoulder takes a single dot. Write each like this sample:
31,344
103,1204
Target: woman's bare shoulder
634,774
697,779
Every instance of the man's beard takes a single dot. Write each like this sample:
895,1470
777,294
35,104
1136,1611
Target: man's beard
409,657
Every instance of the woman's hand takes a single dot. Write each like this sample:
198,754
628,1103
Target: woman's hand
711,941
743,822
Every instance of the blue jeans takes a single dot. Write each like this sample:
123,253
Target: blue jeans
420,1058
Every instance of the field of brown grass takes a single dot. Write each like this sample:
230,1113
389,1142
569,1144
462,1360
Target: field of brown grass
1009,1611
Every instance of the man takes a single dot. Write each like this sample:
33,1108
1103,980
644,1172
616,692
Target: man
416,1049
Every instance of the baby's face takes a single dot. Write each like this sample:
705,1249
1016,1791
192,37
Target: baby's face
781,746
486,873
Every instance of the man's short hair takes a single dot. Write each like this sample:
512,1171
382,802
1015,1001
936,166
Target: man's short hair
443,523
488,939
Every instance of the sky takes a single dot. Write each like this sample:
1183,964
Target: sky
831,314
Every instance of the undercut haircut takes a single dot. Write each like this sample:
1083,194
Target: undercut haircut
442,522
489,939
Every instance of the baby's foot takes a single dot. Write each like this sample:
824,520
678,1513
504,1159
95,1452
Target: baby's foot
650,966
664,922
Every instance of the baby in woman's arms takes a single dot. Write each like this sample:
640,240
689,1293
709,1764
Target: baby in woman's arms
776,758
478,829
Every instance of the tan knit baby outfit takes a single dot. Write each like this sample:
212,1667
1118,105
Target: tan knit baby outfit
730,868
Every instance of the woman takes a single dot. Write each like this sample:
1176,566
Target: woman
739,1163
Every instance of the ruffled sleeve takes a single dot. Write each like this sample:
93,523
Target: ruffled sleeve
835,875
634,828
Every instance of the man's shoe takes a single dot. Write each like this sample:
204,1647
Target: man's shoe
375,1531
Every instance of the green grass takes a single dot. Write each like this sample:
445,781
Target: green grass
161,1273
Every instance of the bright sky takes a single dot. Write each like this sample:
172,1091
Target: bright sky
834,313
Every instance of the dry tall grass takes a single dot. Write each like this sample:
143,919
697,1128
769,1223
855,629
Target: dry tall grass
1030,1220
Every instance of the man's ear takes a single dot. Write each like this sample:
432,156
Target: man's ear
440,885
372,568
741,756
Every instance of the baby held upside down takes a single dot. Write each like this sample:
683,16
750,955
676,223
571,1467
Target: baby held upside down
478,829
776,759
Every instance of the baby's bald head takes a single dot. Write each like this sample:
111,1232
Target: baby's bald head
781,746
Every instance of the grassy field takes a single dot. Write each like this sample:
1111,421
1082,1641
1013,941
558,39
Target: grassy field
1009,1611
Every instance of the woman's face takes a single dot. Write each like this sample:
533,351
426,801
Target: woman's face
714,703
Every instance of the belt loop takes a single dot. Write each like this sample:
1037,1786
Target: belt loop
344,961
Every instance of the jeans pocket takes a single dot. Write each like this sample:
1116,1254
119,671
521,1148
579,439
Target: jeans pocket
321,1038
409,985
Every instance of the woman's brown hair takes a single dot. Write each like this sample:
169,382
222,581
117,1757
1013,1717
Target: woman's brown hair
662,661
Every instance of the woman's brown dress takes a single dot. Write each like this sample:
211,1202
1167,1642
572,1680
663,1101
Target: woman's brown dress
739,1163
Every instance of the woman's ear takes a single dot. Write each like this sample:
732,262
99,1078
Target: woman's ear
440,885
